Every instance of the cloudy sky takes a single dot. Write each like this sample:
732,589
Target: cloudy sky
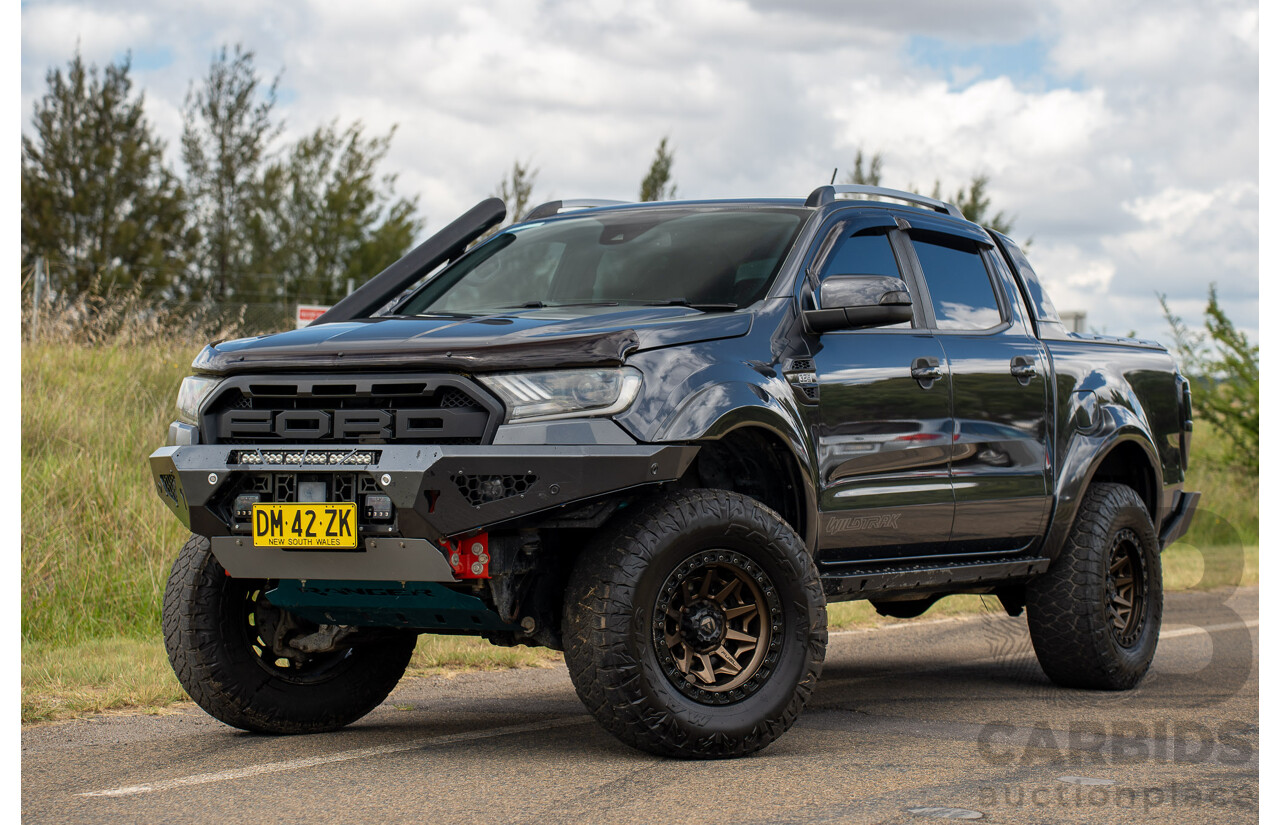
1122,136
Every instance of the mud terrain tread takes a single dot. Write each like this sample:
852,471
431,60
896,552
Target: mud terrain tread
233,689
1065,607
600,614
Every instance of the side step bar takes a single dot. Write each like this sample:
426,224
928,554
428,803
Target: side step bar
866,583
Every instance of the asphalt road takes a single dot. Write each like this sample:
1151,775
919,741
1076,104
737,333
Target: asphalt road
932,718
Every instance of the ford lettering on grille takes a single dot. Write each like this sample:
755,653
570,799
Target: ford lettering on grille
348,425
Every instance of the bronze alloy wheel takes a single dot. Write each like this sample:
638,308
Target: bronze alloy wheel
717,627
1126,588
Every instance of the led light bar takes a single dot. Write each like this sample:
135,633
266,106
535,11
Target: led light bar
306,458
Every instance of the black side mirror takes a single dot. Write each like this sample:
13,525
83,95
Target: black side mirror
856,301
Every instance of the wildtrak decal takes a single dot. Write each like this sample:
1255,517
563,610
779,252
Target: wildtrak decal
845,525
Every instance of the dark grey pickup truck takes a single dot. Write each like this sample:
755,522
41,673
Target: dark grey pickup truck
662,437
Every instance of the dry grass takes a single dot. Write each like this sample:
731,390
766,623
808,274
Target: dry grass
96,541
62,681
125,317
1187,567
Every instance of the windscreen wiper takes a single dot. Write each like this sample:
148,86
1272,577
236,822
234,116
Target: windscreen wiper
541,305
682,302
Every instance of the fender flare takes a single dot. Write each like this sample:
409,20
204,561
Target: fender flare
716,410
1084,454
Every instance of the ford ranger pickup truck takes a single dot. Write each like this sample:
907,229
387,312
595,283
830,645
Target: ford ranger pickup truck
662,437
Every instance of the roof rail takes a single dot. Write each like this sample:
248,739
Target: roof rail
551,208
826,194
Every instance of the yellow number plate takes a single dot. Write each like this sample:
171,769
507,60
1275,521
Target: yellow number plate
319,525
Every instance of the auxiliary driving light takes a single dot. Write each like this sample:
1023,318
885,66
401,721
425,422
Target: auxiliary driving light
243,506
311,457
377,507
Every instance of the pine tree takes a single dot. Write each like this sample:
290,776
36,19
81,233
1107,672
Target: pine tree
657,185
516,190
97,199
323,215
975,204
226,133
870,176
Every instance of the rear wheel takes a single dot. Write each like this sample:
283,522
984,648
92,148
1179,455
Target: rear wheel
697,629
259,668
1095,615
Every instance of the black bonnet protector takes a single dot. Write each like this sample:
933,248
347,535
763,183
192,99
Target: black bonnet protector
527,339
334,347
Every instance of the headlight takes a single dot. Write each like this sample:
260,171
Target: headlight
540,396
194,390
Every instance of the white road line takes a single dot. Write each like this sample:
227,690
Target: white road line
341,756
1213,628
1164,634
1004,657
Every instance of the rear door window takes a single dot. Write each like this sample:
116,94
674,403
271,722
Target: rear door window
959,284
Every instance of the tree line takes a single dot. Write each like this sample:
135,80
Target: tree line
239,222
101,203
239,219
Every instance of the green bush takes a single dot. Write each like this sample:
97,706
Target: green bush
1222,366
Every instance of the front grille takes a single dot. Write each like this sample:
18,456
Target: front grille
269,410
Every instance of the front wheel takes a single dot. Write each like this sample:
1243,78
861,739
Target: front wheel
259,668
698,627
1095,615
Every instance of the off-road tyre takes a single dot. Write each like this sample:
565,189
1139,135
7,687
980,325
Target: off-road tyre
1078,635
204,611
621,593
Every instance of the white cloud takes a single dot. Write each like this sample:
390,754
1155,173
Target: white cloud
1074,279
1133,162
57,28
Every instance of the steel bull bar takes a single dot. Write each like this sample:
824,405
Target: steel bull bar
438,492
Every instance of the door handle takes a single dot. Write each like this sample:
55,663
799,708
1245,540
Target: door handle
926,369
1023,368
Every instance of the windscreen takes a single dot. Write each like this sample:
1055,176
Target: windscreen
719,257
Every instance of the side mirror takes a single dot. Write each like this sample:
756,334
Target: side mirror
856,301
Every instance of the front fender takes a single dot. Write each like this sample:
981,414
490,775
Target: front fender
705,391
716,410
720,409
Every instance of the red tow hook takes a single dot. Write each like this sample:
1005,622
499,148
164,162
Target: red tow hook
469,557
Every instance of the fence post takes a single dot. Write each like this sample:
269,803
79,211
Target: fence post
35,299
